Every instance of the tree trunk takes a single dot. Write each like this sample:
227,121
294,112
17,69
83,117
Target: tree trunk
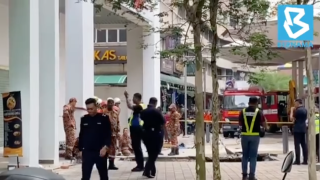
199,139
215,92
311,117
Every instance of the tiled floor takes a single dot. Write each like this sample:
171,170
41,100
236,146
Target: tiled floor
268,170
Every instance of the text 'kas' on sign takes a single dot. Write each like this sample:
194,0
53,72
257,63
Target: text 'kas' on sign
110,56
295,26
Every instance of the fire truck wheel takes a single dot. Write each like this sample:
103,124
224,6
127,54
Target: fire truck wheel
273,128
225,134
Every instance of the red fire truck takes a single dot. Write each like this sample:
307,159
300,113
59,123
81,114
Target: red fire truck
234,100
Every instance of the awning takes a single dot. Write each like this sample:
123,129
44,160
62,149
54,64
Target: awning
174,82
110,79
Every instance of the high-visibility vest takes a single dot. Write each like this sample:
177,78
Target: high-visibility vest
140,121
317,122
250,129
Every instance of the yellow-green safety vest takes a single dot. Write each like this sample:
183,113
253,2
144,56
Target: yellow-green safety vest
249,131
140,121
317,122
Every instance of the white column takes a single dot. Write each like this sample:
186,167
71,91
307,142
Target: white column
62,76
134,61
151,60
79,53
300,78
49,82
294,71
24,72
151,67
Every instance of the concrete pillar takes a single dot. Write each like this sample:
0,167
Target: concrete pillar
294,71
79,53
151,67
300,78
24,72
62,75
143,63
49,82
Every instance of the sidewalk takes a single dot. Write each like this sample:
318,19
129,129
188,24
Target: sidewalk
268,170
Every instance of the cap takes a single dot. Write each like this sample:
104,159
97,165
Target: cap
110,99
117,100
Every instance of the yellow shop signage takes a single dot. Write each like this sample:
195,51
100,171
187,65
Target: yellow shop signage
110,55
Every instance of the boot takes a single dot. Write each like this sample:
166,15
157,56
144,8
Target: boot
176,151
112,166
172,153
244,176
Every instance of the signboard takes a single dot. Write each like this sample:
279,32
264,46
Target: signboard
167,65
295,26
12,118
110,55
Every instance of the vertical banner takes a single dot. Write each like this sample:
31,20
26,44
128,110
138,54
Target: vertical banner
12,124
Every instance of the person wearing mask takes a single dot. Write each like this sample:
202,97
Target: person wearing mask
152,135
299,118
94,141
250,120
174,129
115,130
135,125
69,124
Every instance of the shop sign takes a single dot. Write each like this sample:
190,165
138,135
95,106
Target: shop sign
110,55
167,65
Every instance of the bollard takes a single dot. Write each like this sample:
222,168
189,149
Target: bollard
207,132
285,139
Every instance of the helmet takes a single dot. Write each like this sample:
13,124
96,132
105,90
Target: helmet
117,100
99,101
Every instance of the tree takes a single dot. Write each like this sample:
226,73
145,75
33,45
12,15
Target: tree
256,46
270,80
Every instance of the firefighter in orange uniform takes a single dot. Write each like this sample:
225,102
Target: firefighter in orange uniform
108,109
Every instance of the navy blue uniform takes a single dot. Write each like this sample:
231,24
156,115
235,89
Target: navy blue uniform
152,136
299,133
95,133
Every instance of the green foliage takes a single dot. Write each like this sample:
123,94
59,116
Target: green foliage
270,80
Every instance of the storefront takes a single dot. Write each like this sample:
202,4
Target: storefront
111,78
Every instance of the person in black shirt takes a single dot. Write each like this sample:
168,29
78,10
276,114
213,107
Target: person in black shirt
299,131
152,135
94,141
250,120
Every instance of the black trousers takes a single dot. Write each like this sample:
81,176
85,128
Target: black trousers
89,158
136,138
153,141
300,140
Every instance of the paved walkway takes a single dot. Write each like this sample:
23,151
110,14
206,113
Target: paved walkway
268,170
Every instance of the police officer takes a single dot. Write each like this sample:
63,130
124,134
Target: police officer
152,135
135,125
250,120
299,131
317,124
94,141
